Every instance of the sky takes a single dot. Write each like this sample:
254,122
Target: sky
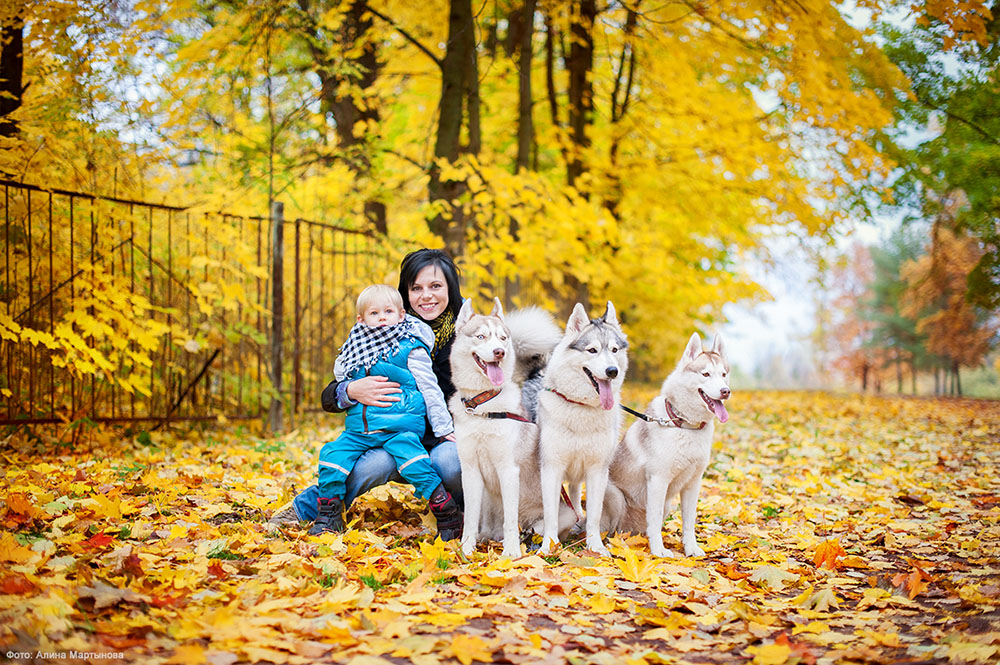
779,329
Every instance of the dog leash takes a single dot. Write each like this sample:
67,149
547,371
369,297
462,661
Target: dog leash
673,419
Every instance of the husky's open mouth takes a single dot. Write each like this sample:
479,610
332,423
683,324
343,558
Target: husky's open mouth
715,406
492,370
603,388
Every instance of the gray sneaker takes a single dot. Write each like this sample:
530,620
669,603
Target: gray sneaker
284,516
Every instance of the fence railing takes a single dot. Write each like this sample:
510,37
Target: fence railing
116,310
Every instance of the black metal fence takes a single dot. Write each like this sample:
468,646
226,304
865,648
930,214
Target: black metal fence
115,310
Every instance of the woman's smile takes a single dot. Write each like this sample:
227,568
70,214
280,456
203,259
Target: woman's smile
429,293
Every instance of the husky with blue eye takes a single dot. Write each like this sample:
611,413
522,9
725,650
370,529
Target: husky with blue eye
665,454
579,419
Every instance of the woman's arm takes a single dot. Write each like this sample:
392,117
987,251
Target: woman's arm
368,390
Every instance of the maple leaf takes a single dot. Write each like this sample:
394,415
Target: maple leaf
20,507
16,584
104,595
819,601
770,654
827,554
775,578
915,582
98,541
467,648
12,551
636,568
801,650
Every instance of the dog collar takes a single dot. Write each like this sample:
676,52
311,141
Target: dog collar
483,397
677,421
571,401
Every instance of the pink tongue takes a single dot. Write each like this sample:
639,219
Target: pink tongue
604,392
494,373
720,411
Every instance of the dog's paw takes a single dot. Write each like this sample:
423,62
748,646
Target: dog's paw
547,546
512,552
662,552
468,546
595,545
693,550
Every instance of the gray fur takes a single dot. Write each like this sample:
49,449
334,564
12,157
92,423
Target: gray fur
579,418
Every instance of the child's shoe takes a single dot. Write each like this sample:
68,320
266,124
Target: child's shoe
330,518
447,512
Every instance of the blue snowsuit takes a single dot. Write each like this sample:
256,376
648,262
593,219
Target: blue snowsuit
398,428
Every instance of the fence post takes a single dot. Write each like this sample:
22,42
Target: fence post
277,308
297,349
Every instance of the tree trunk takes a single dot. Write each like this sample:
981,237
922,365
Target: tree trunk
620,99
550,68
913,377
11,75
958,380
899,374
525,125
525,122
455,94
581,89
345,109
864,378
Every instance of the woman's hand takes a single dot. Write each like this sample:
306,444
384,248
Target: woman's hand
373,391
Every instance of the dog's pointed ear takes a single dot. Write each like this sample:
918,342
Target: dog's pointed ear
718,346
692,350
497,309
578,320
465,313
610,316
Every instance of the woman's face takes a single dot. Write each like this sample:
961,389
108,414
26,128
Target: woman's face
429,293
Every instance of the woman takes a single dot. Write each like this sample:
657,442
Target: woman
428,282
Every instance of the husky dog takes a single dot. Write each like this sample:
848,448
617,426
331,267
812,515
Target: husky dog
667,454
497,444
579,418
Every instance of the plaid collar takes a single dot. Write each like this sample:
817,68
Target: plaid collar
366,345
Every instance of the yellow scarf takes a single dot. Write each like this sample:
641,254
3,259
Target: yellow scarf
444,329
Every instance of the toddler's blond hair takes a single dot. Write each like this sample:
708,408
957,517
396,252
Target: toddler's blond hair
378,293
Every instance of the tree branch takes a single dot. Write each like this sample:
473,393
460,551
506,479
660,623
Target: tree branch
407,36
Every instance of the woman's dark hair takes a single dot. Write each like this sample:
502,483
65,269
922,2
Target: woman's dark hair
416,261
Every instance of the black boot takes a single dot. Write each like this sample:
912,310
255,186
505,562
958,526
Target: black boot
330,518
447,513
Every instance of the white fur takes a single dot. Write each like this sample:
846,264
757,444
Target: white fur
499,457
578,437
655,462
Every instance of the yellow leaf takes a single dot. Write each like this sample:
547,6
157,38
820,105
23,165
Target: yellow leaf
770,654
11,551
636,569
467,648
601,604
816,627
884,639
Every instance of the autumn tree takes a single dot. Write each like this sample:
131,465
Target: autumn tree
954,97
858,354
957,331
893,331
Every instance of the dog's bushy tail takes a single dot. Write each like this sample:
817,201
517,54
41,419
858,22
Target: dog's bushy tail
535,334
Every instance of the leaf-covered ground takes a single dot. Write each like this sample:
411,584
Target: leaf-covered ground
838,529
